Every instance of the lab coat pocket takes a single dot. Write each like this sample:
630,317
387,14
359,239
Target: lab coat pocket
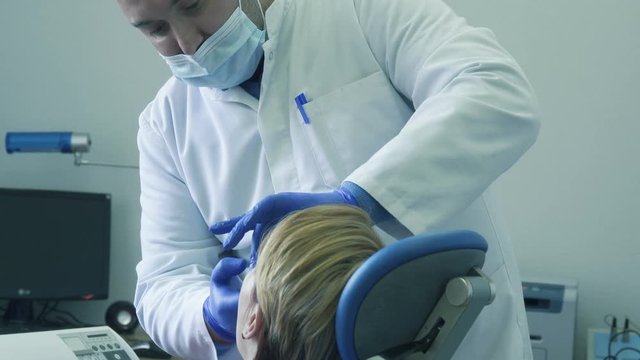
348,125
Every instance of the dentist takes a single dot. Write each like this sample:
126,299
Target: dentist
396,106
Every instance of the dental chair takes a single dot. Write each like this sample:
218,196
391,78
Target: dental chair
414,299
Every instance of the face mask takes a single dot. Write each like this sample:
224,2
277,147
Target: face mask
226,59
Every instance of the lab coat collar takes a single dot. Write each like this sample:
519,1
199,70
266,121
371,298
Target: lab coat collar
274,17
235,94
240,95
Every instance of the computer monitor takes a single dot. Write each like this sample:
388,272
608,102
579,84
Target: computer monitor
54,245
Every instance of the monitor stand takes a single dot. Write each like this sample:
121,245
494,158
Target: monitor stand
19,311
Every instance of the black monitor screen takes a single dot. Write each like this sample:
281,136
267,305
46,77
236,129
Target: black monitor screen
54,244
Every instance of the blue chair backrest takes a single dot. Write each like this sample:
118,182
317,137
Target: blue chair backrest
387,300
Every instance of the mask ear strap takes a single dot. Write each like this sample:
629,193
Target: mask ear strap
264,20
261,12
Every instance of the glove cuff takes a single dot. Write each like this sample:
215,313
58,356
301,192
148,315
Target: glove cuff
365,201
347,196
217,328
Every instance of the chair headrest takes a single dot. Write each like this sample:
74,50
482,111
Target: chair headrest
387,300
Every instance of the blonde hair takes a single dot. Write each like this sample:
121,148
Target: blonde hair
303,265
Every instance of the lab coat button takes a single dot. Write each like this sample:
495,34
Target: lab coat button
270,55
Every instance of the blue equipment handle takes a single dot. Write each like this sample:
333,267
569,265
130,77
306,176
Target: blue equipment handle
38,142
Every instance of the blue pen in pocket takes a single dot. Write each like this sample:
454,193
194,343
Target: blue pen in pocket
300,101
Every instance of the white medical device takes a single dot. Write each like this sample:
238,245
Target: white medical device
551,313
94,343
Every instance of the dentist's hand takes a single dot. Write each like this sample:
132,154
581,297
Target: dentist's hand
271,210
220,310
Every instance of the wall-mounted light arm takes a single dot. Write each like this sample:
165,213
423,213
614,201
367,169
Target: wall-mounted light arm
64,142
38,142
78,160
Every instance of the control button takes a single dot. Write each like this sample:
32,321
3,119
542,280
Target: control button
117,345
95,348
115,355
110,347
102,347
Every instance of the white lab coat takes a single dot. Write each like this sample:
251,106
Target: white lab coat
207,155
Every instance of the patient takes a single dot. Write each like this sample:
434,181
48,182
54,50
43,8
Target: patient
288,302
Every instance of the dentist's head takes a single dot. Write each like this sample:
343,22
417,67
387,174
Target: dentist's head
212,43
288,302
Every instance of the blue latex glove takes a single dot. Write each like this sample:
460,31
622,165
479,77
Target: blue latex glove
220,310
271,210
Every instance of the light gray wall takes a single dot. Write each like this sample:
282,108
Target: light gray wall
571,203
77,65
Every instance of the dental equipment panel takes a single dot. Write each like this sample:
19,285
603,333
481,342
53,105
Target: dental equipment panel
94,343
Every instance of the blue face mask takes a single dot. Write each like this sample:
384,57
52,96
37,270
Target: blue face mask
226,59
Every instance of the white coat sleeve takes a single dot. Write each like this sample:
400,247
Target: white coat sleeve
177,254
475,116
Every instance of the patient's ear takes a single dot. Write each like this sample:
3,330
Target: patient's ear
249,326
251,332
254,323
